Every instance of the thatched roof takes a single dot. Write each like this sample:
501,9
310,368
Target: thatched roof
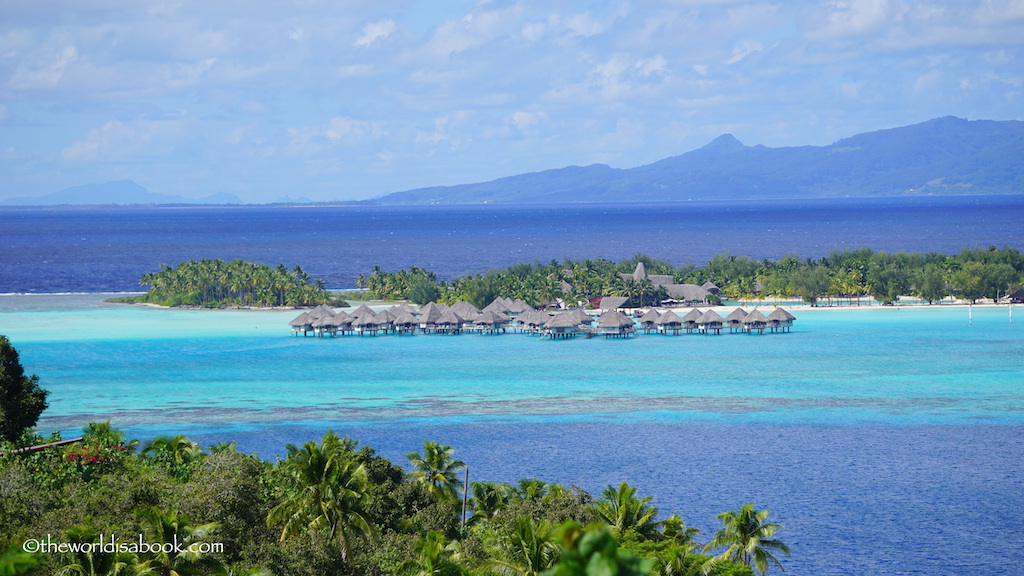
403,307
321,310
581,316
736,315
755,317
301,320
709,317
692,316
497,305
533,318
710,287
430,313
362,309
780,315
614,319
324,321
404,318
366,320
489,318
518,307
651,315
563,320
613,302
449,317
687,292
668,318
464,309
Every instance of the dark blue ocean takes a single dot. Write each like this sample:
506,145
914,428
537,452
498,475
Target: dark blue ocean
108,249
886,441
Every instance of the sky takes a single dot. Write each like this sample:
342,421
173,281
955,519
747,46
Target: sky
352,99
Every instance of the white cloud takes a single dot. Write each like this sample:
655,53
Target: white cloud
375,31
45,73
848,18
656,65
583,25
743,49
113,141
525,122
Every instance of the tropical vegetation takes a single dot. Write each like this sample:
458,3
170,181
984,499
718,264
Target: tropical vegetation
218,284
971,275
333,507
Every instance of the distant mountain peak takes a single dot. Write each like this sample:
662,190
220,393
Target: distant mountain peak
724,143
947,155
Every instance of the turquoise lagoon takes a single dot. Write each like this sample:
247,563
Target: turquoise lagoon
158,369
886,440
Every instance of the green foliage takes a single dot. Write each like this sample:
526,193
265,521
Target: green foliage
624,512
594,552
527,548
325,490
22,400
219,284
16,562
437,469
329,507
178,455
748,538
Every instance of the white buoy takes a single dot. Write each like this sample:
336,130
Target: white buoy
970,314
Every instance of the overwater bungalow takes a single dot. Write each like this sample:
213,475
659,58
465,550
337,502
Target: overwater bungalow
499,305
449,322
614,323
405,323
366,323
669,323
689,321
532,320
325,325
465,310
344,322
488,322
780,320
734,321
429,315
755,321
562,325
517,307
711,287
385,318
302,323
649,320
710,322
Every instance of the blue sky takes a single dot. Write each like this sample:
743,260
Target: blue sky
329,99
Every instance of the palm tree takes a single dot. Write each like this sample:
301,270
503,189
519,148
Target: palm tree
528,549
178,454
488,499
673,528
91,561
436,468
325,489
174,536
623,511
433,557
748,538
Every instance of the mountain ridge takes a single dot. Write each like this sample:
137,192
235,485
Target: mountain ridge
946,155
115,192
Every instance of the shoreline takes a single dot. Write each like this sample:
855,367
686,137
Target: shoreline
730,305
